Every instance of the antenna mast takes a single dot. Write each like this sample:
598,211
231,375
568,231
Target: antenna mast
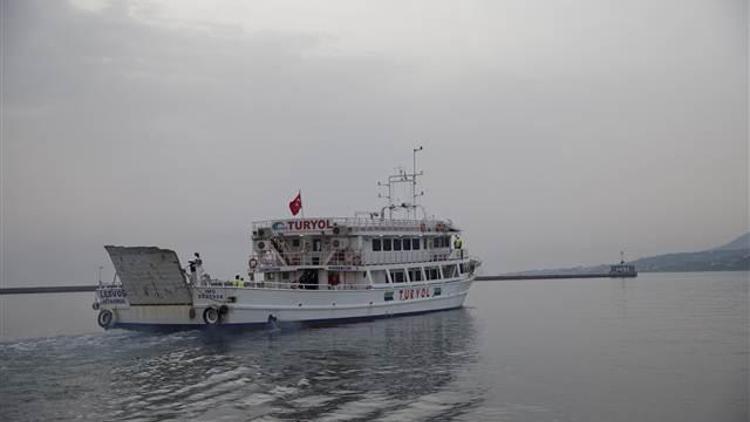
402,177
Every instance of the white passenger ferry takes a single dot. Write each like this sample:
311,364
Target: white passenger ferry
300,270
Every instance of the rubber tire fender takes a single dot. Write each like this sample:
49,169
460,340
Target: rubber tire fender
105,319
211,316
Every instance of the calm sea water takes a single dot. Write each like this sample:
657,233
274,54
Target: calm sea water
662,347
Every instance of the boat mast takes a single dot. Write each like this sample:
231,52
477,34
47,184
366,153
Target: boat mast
402,177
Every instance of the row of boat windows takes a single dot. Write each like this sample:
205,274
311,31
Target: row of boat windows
430,273
408,243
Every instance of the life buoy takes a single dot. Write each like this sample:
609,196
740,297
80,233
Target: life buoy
336,243
357,260
105,318
211,316
252,263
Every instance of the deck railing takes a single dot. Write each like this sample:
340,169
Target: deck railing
369,224
352,257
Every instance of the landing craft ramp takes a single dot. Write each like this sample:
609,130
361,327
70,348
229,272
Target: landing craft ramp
150,275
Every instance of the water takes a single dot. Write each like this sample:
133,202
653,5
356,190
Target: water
662,347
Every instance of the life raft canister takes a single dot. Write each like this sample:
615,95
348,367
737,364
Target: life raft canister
211,315
105,318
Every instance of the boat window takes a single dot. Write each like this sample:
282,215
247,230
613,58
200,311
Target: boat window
437,292
398,276
461,267
295,242
415,274
376,244
449,271
407,244
424,244
436,243
415,244
396,244
432,273
285,275
386,244
316,245
269,276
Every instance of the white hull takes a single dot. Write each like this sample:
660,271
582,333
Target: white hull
242,306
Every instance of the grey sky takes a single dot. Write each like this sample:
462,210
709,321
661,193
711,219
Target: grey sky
556,132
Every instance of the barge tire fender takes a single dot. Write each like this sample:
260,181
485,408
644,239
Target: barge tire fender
105,318
211,315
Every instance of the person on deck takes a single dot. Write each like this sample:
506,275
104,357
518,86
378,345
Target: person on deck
458,244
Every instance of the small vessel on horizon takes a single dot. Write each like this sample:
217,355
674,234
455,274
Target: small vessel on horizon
301,270
623,269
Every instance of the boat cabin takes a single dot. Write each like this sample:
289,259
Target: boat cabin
354,253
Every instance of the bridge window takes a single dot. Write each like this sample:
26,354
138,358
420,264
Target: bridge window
396,244
415,244
376,245
386,244
407,244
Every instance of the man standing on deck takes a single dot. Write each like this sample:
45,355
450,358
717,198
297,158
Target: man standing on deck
458,244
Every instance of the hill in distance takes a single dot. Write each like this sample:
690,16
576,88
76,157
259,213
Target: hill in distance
733,256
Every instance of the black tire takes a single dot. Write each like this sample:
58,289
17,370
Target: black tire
191,313
211,316
95,306
105,319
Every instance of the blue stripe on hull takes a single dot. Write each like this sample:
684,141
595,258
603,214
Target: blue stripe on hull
259,325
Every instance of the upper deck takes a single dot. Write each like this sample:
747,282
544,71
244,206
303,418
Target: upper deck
348,226
352,242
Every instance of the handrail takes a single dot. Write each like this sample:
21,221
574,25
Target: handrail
367,223
355,257
288,285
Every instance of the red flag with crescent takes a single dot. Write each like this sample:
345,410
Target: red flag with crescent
296,205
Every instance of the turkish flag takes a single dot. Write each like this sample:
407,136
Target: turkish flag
296,204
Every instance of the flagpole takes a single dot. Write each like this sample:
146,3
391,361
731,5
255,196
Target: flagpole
302,203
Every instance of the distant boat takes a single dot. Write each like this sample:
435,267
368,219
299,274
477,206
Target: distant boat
622,269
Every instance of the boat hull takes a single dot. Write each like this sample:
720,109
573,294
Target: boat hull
259,306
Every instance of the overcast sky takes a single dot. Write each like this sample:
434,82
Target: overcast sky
556,133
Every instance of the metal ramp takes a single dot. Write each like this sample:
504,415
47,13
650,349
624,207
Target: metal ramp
150,275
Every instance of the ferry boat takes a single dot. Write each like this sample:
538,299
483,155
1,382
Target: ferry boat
301,270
